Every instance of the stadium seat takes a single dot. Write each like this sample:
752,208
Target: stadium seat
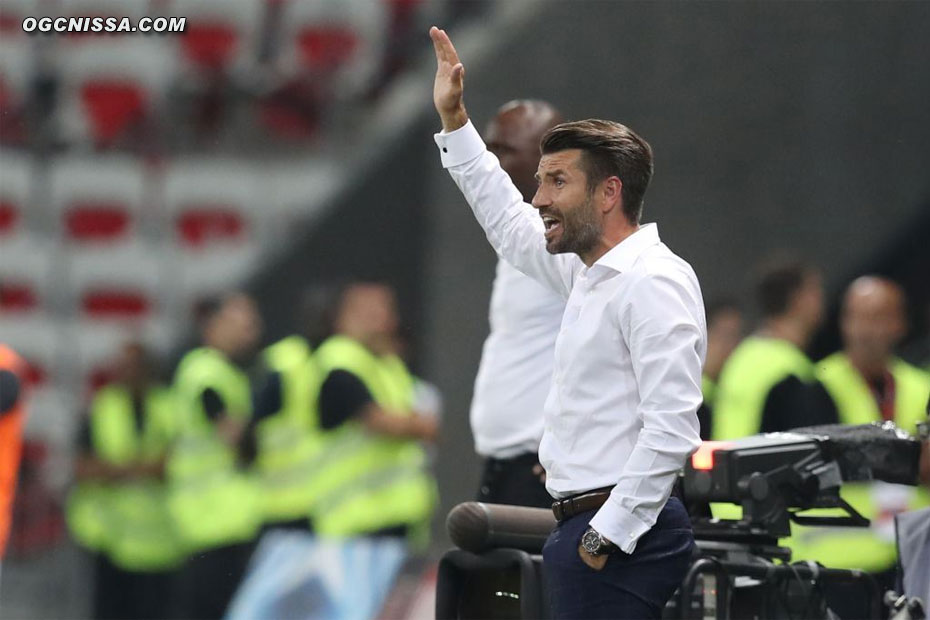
97,200
26,275
37,339
112,89
15,189
220,35
15,74
339,40
26,258
217,209
12,14
214,203
122,285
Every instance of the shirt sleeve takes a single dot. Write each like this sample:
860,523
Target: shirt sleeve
664,330
267,400
792,403
9,390
342,397
513,228
213,404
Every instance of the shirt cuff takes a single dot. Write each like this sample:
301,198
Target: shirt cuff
460,146
619,526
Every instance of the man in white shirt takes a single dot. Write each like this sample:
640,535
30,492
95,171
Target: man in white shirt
516,361
620,417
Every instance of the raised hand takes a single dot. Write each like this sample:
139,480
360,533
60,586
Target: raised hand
449,86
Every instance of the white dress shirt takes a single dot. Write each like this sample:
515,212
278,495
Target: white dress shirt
622,407
516,365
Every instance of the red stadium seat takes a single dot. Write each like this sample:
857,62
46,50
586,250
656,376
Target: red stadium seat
99,200
339,41
113,88
219,35
113,105
121,285
327,47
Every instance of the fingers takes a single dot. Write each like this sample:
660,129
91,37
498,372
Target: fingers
437,45
445,51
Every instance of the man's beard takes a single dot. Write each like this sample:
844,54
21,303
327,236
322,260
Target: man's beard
581,230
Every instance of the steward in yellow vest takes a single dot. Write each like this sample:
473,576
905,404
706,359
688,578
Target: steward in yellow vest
289,441
868,384
764,385
118,507
373,478
214,496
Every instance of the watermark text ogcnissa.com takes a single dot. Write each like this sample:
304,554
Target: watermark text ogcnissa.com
104,24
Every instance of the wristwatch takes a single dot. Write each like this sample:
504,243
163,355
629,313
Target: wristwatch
595,544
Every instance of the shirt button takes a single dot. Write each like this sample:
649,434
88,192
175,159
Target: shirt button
445,150
485,490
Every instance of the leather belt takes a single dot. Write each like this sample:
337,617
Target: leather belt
576,504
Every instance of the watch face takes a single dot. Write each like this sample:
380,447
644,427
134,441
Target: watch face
591,541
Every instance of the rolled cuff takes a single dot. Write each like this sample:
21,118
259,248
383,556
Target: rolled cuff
460,146
619,526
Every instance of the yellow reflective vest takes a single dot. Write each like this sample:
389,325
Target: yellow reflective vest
756,366
873,548
289,441
128,520
366,482
213,501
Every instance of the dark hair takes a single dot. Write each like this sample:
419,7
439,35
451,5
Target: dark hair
609,149
721,305
778,283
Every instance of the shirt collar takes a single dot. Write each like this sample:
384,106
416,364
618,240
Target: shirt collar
622,256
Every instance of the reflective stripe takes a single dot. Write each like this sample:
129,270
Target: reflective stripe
289,440
211,501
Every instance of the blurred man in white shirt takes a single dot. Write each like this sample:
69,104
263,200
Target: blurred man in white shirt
516,361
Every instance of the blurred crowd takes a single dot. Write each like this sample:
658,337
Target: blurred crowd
324,435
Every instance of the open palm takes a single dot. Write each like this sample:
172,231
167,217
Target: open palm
450,82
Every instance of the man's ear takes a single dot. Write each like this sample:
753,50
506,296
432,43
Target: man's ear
611,190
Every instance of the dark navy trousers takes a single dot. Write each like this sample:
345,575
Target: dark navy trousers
633,585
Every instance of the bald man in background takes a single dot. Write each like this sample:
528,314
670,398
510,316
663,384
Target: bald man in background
867,383
516,361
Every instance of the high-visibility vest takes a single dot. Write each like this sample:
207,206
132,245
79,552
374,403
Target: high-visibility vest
708,390
11,431
289,441
756,366
873,548
127,520
367,482
212,501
